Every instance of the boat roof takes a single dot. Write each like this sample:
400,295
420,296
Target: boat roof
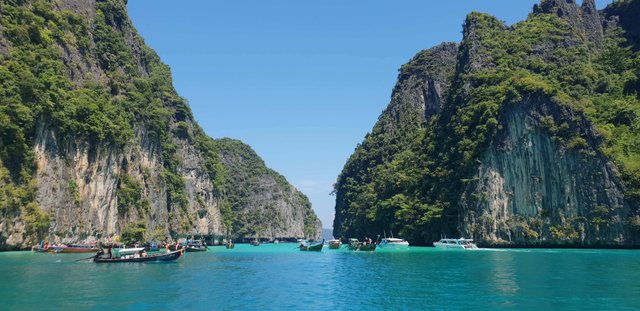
131,250
460,239
394,239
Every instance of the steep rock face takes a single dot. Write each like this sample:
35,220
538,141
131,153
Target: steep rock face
584,19
112,145
257,193
623,15
420,88
533,144
529,184
418,95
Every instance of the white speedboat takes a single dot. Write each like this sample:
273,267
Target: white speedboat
455,244
393,243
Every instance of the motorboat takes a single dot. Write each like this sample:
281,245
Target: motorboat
455,244
393,243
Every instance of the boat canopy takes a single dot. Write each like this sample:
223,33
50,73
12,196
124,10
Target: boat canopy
130,250
394,239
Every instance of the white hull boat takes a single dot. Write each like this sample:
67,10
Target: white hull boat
393,243
455,244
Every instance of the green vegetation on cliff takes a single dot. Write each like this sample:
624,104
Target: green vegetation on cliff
37,88
248,178
88,77
416,189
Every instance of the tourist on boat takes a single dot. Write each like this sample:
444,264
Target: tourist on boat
109,250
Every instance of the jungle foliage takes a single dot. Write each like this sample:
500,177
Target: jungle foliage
40,86
410,181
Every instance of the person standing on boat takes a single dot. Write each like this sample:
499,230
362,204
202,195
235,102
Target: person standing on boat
109,250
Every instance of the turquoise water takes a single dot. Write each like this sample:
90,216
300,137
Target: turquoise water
281,277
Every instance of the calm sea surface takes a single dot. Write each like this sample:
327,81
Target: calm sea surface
278,276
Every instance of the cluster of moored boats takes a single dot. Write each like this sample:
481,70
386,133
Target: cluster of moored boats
356,245
114,252
397,243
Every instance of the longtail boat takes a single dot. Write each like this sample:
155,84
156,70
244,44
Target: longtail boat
230,245
38,249
73,249
356,245
313,247
191,246
137,255
335,244
195,246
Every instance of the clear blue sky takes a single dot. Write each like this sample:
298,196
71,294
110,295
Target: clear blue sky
302,82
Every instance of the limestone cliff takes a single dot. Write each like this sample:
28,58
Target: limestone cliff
532,142
418,95
94,139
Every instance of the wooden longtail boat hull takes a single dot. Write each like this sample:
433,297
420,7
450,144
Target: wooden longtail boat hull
312,247
69,249
360,247
196,248
153,258
190,249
